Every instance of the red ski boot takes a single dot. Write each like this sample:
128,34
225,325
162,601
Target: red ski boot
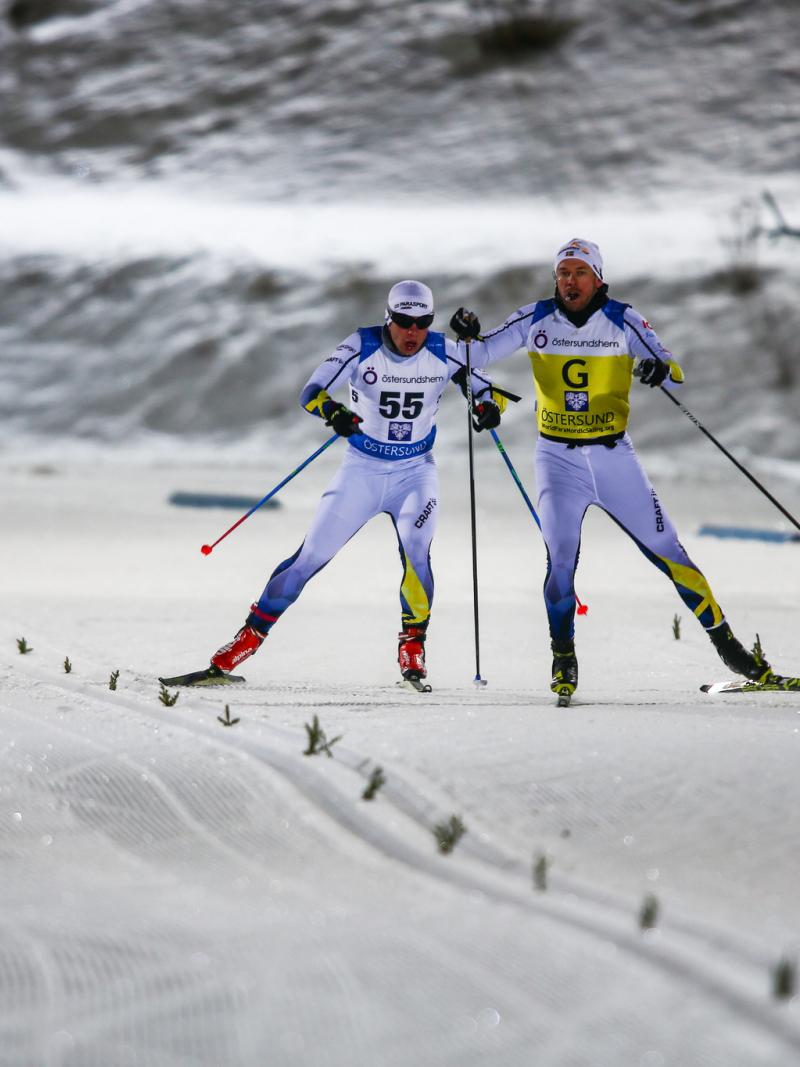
246,642
411,653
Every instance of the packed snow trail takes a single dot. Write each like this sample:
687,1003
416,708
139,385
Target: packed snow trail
177,890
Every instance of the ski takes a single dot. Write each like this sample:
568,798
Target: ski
416,685
210,676
563,695
777,683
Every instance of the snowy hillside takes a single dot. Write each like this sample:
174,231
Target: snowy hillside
199,201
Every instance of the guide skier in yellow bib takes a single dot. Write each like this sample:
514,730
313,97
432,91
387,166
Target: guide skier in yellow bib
585,349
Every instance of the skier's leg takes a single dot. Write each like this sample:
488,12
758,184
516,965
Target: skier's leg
565,492
624,491
626,494
413,508
350,500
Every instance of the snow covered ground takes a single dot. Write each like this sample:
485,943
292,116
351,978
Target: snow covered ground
198,201
176,892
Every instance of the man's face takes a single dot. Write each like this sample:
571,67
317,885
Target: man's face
576,283
408,340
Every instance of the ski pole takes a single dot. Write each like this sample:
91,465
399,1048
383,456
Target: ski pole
208,549
582,608
478,681
733,460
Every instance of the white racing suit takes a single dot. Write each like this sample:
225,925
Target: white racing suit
388,468
584,455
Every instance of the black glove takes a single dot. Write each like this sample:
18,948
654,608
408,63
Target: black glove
651,371
485,415
465,325
343,420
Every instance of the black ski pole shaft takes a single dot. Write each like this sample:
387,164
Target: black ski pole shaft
733,459
477,680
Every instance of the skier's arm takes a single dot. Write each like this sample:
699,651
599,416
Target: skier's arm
654,364
497,343
487,403
330,374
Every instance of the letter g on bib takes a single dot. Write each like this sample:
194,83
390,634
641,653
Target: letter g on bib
575,379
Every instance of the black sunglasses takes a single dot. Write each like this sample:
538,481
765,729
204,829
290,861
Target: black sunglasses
405,322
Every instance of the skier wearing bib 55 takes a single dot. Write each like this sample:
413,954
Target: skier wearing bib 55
585,349
395,374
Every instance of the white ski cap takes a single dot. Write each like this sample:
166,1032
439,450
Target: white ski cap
578,248
410,298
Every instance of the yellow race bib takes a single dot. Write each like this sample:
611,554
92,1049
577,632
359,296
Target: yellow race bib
581,396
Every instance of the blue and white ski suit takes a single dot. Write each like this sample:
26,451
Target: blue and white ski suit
387,468
584,455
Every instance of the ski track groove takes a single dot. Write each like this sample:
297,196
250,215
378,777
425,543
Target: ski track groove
127,841
41,957
87,974
686,957
426,809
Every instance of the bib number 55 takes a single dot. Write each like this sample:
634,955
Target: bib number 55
409,405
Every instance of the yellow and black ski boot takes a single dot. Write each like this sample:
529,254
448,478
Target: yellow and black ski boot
565,671
735,656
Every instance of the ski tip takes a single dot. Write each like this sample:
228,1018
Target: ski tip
211,676
736,685
776,683
414,685
715,688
